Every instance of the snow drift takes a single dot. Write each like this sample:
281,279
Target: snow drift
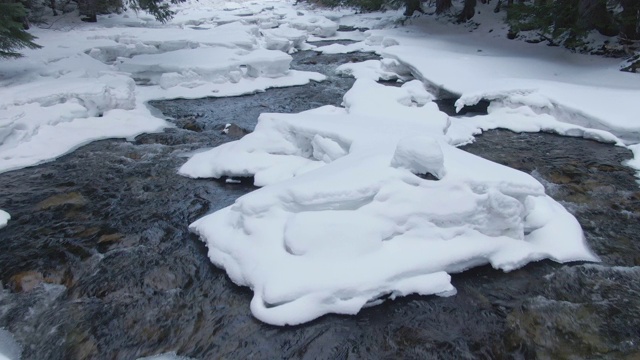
367,202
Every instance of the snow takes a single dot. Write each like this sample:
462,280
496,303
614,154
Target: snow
166,356
4,218
81,87
343,221
359,203
577,89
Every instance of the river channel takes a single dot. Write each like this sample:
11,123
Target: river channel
97,261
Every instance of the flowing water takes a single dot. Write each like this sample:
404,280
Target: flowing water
97,261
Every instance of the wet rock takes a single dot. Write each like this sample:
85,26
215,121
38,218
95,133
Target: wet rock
28,280
234,130
109,239
192,126
25,281
73,198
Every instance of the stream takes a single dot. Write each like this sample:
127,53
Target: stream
97,261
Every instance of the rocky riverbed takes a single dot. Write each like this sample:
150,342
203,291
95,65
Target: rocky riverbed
97,261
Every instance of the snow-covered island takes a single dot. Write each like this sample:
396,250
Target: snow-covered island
4,218
358,203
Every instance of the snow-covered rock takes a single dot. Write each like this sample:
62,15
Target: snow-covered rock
4,218
284,38
342,221
315,25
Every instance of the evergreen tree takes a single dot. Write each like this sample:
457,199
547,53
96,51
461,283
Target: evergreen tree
630,19
13,26
158,8
442,6
468,10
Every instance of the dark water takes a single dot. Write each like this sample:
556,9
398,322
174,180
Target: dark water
97,261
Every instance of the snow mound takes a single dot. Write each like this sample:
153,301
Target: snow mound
45,119
343,222
4,218
284,38
160,40
314,25
81,87
218,65
521,119
386,69
420,155
576,89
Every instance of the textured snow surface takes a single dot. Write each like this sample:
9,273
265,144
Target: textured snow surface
4,218
86,83
345,220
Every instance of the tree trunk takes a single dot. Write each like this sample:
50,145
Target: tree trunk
412,6
593,14
88,8
52,3
468,11
565,15
442,6
630,19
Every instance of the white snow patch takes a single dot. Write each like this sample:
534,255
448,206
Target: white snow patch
4,218
337,227
520,119
314,25
166,356
420,155
214,65
284,38
386,69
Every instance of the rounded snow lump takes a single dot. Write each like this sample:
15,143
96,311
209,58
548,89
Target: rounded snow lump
420,155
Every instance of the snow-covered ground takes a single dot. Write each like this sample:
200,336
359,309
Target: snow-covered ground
358,203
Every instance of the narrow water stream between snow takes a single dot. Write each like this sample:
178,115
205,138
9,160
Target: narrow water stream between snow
100,263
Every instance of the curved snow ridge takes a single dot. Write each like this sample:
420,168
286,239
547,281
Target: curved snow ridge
570,104
370,202
521,119
584,91
4,218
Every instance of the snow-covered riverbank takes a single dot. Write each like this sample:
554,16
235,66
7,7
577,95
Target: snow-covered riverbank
359,202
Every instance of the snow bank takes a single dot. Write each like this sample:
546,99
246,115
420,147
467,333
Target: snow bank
386,69
520,119
218,65
346,217
315,25
284,38
4,218
576,89
81,86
